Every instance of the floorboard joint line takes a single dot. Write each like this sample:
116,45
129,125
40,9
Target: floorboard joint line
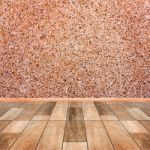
85,127
65,126
23,130
126,129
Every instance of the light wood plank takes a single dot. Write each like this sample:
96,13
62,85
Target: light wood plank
75,146
88,103
134,127
75,131
29,138
11,133
97,137
139,133
11,114
59,112
138,114
121,112
44,112
90,113
119,136
29,111
15,127
53,136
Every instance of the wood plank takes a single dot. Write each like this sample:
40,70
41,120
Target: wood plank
88,103
75,131
134,127
44,112
119,136
75,104
15,127
90,113
97,137
146,124
121,112
143,106
75,114
105,112
53,136
139,133
138,114
7,107
29,138
3,124
75,146
11,114
29,111
11,133
59,112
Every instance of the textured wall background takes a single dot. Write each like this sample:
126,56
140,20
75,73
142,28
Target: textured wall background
74,48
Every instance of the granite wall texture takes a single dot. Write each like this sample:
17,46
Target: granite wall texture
74,48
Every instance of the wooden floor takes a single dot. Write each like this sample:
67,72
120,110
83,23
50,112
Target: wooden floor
75,125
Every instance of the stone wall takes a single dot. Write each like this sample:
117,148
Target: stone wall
74,48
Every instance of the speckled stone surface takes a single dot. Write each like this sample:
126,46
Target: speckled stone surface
74,48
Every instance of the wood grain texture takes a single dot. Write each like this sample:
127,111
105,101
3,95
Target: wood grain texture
119,136
134,127
121,112
11,133
15,127
138,114
146,124
3,124
60,111
75,125
30,136
29,111
97,137
11,114
75,146
75,131
75,104
139,133
52,137
105,112
75,114
90,113
44,112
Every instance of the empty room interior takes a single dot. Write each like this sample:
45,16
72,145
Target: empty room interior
74,74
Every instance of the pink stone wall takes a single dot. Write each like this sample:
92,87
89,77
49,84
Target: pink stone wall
74,48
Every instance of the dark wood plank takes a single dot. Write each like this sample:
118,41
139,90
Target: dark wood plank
105,112
75,131
3,124
44,112
75,114
75,104
146,124
10,133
